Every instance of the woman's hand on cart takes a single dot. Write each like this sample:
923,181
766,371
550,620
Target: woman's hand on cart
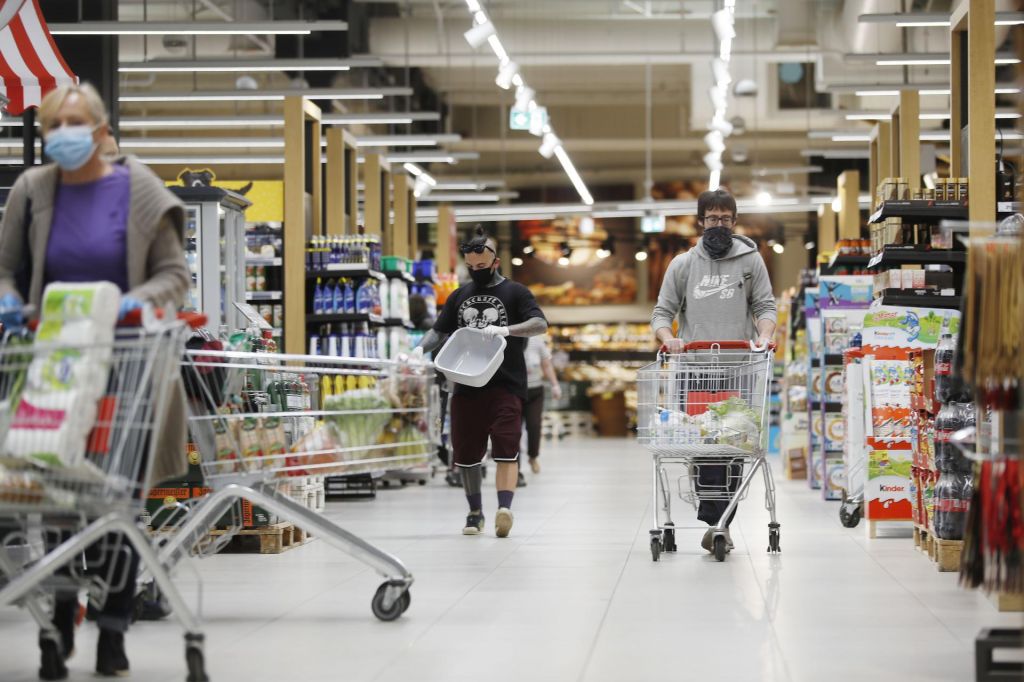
673,347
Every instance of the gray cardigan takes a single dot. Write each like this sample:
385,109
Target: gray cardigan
157,272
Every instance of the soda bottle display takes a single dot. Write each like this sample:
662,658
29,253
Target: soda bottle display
952,500
944,353
948,421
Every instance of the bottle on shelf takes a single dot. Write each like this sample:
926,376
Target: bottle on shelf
953,493
944,353
318,298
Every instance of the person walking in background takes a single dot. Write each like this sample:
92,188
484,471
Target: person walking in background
85,218
720,291
497,307
538,369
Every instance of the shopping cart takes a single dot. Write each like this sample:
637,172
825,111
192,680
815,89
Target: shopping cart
262,420
74,471
702,413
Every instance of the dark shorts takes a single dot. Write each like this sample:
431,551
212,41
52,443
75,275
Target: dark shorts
493,413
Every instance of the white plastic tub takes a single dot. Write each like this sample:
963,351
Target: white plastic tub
471,358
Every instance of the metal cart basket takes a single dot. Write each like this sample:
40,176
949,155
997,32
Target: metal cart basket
703,413
79,431
261,420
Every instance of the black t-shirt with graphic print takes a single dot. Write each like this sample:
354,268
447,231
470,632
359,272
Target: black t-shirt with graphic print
503,305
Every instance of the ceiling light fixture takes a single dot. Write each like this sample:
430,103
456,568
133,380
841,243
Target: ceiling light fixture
517,262
932,19
406,140
779,248
508,75
195,28
641,256
244,65
191,96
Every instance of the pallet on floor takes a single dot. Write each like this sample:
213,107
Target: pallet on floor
873,525
272,539
1006,602
947,554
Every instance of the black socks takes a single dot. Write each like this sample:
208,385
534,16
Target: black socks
505,499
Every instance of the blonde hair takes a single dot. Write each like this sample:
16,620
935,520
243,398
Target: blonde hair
53,101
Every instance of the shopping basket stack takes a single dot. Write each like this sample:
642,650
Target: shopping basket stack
79,431
262,419
702,413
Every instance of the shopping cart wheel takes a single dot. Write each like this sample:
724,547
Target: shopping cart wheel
669,539
453,479
656,545
397,608
773,538
720,548
194,659
849,518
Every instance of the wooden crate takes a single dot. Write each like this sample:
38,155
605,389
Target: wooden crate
1005,602
947,554
272,539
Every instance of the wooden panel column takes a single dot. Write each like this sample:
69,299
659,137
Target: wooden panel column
302,175
973,103
880,164
335,181
826,229
906,131
377,206
400,182
444,253
848,188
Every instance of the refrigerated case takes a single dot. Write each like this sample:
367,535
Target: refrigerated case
215,250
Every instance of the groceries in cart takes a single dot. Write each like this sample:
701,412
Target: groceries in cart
723,422
53,403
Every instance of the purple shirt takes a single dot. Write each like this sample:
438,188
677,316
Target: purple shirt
88,233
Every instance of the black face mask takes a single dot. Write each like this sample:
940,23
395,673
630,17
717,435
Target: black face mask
482,277
717,241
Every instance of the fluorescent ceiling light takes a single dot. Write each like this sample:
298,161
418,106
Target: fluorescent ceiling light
193,160
926,59
851,138
244,65
195,28
268,120
933,19
893,89
574,176
835,153
406,140
200,143
189,96
456,196
380,118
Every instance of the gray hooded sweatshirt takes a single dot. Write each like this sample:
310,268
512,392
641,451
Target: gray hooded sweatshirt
716,300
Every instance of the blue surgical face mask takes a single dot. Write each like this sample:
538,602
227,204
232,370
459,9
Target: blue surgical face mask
70,146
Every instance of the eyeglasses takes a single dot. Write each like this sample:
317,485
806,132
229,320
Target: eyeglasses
475,248
716,220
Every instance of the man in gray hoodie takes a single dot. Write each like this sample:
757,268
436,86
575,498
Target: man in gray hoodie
721,292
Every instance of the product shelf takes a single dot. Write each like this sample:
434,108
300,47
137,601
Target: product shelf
400,274
897,255
329,318
257,260
398,322
354,270
842,260
263,295
921,301
920,211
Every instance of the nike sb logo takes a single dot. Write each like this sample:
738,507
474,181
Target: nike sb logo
715,284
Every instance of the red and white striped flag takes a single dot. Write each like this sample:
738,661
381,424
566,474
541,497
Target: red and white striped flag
30,63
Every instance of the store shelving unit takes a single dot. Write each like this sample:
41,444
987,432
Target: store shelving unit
920,211
893,256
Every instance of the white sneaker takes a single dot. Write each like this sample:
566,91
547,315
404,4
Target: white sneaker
503,522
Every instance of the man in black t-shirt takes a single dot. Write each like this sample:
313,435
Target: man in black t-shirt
497,307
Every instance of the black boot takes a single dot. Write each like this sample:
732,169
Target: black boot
51,660
111,660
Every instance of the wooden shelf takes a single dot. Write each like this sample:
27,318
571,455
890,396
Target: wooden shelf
920,211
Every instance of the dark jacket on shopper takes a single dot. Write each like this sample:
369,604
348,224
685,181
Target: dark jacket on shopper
716,299
157,272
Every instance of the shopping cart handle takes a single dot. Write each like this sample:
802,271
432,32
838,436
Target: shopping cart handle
724,345
133,318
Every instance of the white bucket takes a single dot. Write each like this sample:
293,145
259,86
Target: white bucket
470,357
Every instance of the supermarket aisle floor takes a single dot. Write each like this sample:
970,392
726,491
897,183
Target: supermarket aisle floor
572,595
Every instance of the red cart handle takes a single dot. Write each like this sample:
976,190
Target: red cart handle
133,318
724,345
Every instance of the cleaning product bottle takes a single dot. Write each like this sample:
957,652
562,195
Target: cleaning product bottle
384,303
338,298
349,298
318,298
363,302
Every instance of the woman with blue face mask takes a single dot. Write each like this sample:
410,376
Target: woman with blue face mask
90,217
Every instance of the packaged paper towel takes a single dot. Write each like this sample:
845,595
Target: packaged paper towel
56,409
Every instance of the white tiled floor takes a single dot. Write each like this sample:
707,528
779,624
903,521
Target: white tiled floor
572,595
